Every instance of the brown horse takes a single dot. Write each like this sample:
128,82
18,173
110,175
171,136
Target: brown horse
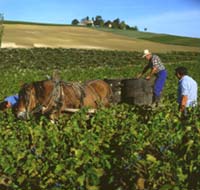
52,97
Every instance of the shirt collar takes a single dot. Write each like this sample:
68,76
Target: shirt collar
182,78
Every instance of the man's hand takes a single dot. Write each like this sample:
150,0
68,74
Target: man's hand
153,71
8,105
148,77
182,108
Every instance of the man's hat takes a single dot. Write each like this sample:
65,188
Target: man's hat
146,52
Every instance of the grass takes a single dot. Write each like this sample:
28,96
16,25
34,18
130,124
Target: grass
128,33
175,40
33,23
160,38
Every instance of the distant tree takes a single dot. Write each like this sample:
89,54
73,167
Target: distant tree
135,28
1,27
75,22
99,21
87,18
116,23
128,27
145,29
122,25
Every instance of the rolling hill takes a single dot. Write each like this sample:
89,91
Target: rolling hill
29,35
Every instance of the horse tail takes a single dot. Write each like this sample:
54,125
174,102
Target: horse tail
109,95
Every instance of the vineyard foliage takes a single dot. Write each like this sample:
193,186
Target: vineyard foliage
124,147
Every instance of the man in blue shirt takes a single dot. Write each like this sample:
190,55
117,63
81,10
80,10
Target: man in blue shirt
9,102
187,90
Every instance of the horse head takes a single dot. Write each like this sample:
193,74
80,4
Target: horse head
40,97
26,102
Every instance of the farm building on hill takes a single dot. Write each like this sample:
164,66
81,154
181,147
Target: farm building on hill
86,22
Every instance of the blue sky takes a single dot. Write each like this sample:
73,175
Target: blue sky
178,17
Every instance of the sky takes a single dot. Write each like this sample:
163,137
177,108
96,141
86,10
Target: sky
176,17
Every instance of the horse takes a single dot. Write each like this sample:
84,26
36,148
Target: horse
53,97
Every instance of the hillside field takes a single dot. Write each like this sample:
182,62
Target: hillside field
33,35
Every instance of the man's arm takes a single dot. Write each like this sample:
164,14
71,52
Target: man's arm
143,71
153,71
183,103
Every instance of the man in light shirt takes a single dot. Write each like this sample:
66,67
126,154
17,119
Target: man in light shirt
187,90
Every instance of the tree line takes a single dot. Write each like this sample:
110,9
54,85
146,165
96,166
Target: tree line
98,21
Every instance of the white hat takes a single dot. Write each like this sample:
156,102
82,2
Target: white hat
146,52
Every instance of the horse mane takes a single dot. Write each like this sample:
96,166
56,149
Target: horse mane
39,88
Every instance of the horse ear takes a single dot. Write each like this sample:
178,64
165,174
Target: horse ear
56,75
21,84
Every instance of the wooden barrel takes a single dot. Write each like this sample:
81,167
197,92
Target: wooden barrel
137,91
116,86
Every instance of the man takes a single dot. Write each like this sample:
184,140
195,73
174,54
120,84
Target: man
187,90
9,102
158,69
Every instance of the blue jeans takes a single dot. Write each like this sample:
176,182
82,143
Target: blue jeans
159,82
